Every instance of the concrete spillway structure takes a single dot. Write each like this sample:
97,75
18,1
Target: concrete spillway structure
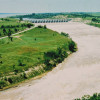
48,20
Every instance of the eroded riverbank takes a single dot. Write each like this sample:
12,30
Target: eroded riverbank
76,76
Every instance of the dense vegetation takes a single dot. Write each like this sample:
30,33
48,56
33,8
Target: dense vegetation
85,15
38,15
94,24
10,26
88,97
32,53
97,20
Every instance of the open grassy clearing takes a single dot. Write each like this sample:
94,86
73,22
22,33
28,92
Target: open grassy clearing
29,47
27,50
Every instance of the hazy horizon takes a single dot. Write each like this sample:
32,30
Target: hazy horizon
45,6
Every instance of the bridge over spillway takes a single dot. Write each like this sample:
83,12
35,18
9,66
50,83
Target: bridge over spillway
48,20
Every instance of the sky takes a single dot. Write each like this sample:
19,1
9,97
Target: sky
43,6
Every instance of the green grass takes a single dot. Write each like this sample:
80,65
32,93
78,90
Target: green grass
14,25
28,49
9,21
36,51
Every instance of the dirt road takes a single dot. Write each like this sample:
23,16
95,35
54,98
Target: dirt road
18,32
79,74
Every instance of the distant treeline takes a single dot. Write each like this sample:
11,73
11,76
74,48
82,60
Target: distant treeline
83,14
38,16
50,15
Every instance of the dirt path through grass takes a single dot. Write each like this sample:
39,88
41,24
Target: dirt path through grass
18,32
79,74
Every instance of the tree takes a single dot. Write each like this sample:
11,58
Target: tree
29,25
3,84
0,34
20,19
2,26
45,27
16,30
4,31
94,19
72,46
9,33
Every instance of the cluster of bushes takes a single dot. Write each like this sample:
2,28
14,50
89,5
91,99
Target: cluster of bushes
65,34
10,29
5,19
96,20
88,97
7,81
4,82
39,26
14,26
52,58
94,24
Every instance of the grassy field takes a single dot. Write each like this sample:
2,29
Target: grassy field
27,49
9,25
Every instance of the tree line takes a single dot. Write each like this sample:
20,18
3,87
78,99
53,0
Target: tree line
38,15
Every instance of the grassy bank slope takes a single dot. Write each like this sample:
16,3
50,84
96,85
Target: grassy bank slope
29,54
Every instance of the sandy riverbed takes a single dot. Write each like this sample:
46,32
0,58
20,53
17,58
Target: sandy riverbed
79,74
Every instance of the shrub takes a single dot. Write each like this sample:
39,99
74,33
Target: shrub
24,75
10,80
39,26
51,58
20,63
3,84
72,46
45,27
65,34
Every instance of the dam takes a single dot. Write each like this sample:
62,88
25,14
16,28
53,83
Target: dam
47,20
